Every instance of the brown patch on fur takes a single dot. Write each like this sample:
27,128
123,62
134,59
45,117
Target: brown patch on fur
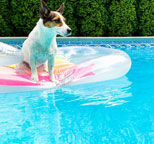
53,20
64,19
49,24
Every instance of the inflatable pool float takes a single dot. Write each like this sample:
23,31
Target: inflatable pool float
74,66
9,55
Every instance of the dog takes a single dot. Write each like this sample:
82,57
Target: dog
40,47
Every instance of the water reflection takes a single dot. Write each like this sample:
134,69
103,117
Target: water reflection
67,115
30,117
88,112
107,93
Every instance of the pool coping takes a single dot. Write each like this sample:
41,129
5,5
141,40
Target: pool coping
146,37
74,40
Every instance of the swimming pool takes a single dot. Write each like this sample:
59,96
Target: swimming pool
116,111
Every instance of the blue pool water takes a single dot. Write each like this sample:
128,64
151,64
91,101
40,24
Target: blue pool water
119,111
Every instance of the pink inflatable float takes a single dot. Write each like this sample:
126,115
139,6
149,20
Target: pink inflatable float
74,66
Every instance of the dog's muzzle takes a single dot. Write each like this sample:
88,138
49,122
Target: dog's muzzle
69,31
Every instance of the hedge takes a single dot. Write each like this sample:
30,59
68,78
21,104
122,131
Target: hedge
25,14
85,17
146,17
123,18
6,27
92,18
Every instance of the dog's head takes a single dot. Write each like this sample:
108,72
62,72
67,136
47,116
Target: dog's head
54,19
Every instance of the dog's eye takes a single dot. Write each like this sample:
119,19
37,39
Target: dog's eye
57,20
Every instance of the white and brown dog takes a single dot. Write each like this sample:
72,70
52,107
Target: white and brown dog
40,47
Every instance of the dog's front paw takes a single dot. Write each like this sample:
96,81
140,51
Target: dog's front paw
54,80
34,78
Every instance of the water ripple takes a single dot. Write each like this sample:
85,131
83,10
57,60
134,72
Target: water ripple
108,93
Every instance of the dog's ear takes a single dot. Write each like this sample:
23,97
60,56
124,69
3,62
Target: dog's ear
61,8
44,10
